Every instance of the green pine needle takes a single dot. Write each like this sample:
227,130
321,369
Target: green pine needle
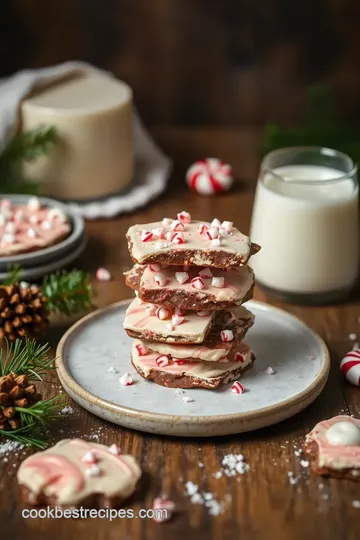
14,274
24,435
25,358
24,147
41,412
68,293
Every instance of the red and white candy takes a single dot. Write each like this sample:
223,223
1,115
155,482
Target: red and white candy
229,317
89,458
102,274
177,319
177,238
226,335
154,267
202,228
212,233
151,310
216,223
114,449
209,176
181,277
160,279
163,504
158,233
239,357
216,242
178,361
177,226
227,226
198,283
184,217
205,273
166,222
237,388
141,349
146,236
350,367
126,379
162,313
162,361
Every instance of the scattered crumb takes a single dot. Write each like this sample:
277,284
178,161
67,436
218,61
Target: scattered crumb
201,465
187,399
352,336
191,488
270,371
217,474
356,504
206,498
304,463
298,452
112,370
102,274
67,410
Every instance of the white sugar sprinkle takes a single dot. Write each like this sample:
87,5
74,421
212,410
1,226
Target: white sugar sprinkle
67,410
187,399
10,446
179,391
191,488
356,504
304,463
111,369
270,371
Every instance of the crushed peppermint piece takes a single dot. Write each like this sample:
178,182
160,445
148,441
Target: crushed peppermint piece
162,313
34,204
184,217
270,371
146,236
205,273
126,379
90,457
67,410
216,223
187,399
177,238
352,336
111,369
102,274
304,463
218,282
181,277
198,283
216,242
94,470
114,449
31,233
160,279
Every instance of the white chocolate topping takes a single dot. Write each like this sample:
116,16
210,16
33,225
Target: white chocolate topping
201,370
193,328
61,472
236,282
345,433
234,243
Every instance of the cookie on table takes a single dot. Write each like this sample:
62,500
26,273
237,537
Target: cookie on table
187,242
176,373
195,288
174,326
76,473
334,447
30,227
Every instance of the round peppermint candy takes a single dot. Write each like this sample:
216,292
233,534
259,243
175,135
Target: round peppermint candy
209,176
350,367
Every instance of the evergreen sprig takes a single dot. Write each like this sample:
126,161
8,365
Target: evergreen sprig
68,292
25,358
24,147
42,412
25,435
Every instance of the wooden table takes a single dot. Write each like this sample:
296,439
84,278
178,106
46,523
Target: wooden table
264,505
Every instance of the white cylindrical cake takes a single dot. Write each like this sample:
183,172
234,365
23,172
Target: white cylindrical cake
92,114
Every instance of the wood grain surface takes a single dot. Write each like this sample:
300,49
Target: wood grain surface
261,504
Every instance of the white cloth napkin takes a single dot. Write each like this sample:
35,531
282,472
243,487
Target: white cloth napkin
152,167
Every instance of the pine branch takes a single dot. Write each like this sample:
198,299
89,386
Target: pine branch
41,412
14,274
68,292
26,146
24,436
25,358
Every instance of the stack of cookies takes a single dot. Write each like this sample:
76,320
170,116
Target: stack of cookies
190,279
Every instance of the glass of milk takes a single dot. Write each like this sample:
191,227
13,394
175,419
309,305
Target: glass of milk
305,218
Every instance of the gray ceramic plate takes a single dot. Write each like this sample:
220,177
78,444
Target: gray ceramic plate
98,342
51,252
37,272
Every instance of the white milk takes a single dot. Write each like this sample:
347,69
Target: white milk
308,233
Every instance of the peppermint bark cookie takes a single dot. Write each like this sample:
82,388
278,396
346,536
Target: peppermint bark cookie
76,473
176,373
186,242
31,227
195,288
168,326
334,447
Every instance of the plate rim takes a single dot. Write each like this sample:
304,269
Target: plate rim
314,388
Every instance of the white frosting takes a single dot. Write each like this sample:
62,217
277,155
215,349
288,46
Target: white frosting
60,472
192,368
237,283
193,328
236,244
345,433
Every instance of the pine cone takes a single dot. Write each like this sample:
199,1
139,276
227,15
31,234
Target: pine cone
23,312
15,391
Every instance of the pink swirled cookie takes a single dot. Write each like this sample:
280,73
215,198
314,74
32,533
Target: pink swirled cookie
183,241
334,446
167,326
77,473
194,288
191,373
30,227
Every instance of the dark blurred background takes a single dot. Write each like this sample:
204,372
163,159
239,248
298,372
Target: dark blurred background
210,63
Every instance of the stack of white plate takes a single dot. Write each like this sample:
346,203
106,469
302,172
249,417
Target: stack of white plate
38,263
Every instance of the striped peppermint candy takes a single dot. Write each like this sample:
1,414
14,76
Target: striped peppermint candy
237,388
181,277
146,236
162,361
206,273
162,313
160,279
202,228
350,367
239,357
212,233
154,267
229,317
198,283
177,238
209,176
184,217
151,310
141,349
178,361
227,335
177,225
